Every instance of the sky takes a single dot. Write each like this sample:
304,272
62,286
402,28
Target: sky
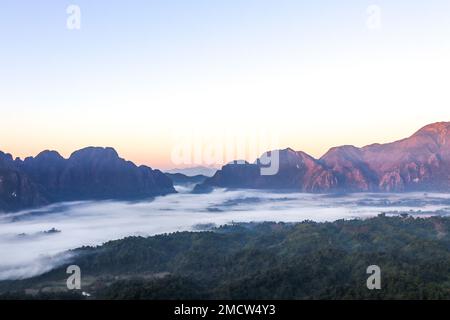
169,83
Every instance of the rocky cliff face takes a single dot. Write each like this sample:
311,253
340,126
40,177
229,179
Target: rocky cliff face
16,188
297,171
90,173
420,162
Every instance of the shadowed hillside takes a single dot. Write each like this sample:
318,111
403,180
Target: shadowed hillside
90,173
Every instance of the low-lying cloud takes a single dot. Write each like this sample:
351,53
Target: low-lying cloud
27,248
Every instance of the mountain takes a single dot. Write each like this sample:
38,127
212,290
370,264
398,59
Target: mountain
17,190
181,179
194,171
297,170
90,173
418,163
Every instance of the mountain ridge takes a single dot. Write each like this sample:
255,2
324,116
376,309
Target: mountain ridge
90,173
420,162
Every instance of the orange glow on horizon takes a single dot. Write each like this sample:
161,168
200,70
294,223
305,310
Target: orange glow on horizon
157,154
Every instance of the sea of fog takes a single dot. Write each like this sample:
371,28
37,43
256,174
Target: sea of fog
35,241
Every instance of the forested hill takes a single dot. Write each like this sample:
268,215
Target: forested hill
264,261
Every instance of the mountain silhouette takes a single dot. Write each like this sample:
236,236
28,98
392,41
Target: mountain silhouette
420,162
88,174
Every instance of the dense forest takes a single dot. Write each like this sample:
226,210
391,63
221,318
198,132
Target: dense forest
306,260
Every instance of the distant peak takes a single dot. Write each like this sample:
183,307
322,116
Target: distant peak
435,128
345,149
237,162
49,154
285,151
5,156
95,151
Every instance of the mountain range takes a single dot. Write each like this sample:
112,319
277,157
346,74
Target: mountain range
194,171
88,174
420,162
182,179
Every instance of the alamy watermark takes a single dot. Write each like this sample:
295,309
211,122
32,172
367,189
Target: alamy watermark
74,280
374,280
374,18
73,21
220,148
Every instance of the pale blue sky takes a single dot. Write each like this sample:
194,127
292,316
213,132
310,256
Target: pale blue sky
138,70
